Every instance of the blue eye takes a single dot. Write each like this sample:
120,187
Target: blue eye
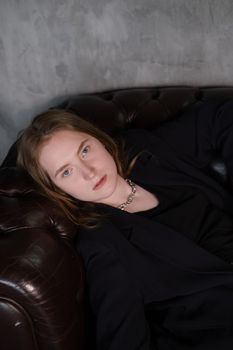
85,150
66,173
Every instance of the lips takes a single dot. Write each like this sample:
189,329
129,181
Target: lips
100,183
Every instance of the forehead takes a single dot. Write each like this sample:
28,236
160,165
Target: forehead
65,136
59,145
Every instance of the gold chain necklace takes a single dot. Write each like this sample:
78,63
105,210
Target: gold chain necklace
131,195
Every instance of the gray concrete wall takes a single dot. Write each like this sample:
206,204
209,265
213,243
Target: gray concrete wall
53,48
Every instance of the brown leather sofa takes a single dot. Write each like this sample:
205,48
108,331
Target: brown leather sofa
43,304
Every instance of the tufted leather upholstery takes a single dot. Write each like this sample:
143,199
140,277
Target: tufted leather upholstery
42,281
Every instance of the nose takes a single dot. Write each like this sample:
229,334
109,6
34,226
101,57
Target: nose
88,172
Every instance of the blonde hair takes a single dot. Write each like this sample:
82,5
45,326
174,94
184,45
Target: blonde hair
41,128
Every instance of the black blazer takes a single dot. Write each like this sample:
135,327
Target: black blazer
149,286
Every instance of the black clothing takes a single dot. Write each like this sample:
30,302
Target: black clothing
150,286
188,211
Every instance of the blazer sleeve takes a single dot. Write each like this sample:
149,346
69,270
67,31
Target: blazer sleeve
117,307
193,135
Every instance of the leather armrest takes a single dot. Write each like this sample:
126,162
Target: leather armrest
42,274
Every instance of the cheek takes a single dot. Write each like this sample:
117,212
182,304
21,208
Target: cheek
109,163
79,190
67,185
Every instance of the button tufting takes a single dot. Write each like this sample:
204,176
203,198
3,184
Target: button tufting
198,95
108,97
155,95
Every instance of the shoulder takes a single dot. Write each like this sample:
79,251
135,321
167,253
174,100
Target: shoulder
137,134
136,140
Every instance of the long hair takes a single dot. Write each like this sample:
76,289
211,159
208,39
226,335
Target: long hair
41,128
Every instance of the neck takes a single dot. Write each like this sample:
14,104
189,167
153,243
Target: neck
121,193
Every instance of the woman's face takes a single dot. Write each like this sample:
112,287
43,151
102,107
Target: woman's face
80,165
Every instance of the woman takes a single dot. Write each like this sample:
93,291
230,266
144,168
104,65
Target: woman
155,231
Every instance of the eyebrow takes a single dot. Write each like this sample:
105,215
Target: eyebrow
66,165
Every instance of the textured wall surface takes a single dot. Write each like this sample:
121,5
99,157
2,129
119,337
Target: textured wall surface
51,49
